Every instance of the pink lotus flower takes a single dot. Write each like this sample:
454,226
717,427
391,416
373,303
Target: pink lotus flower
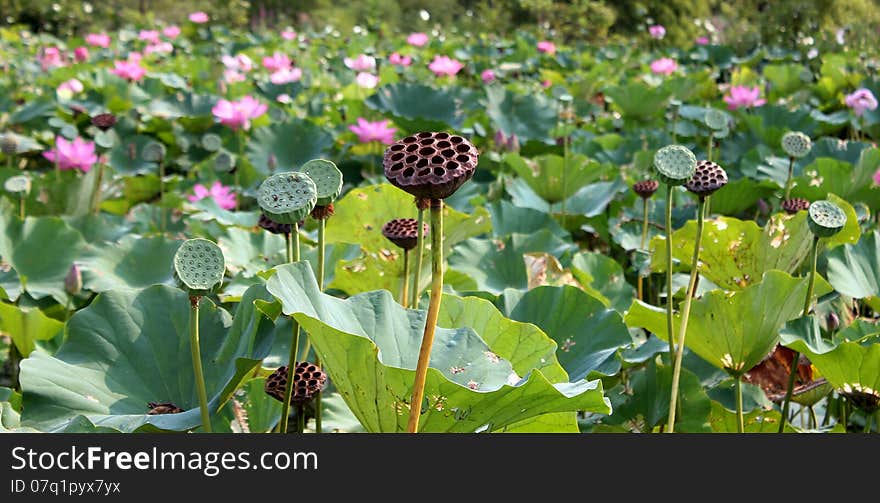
877,177
221,194
284,98
171,32
417,39
70,87
50,57
742,96
81,54
233,76
129,69
160,48
444,65
72,155
664,66
362,63
488,76
397,59
276,61
547,47
546,83
373,131
199,17
702,40
240,62
238,114
286,75
98,40
367,80
861,101
288,35
151,36
657,31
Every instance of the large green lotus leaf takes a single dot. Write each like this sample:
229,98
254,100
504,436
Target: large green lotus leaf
589,201
555,422
636,101
131,347
544,174
41,250
847,365
644,403
602,274
133,262
734,331
854,270
508,219
250,410
826,175
336,416
417,107
741,195
369,345
207,209
248,252
10,420
287,146
735,253
128,156
587,333
756,421
26,325
529,117
491,265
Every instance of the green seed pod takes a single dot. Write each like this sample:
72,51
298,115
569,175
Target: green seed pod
327,178
796,144
675,164
153,152
211,142
826,218
715,119
199,264
224,162
18,183
287,197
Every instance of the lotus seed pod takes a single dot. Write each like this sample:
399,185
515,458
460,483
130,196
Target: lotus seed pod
327,178
794,205
430,165
73,282
18,184
403,233
707,178
646,188
675,164
104,121
272,226
211,142
308,380
826,219
323,212
796,144
153,151
287,197
163,408
715,119
863,397
224,162
9,145
199,264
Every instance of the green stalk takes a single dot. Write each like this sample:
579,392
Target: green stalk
238,165
415,409
420,250
685,314
405,282
96,190
794,361
15,358
66,316
161,196
293,256
669,327
740,426
21,212
710,146
788,180
644,240
564,169
321,260
197,361
300,418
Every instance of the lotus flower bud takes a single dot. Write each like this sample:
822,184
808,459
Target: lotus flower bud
73,281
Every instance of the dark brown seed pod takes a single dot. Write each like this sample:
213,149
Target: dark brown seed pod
646,188
402,232
322,212
273,226
792,206
430,165
308,380
163,408
708,178
104,121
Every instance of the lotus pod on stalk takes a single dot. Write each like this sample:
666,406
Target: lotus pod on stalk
794,205
646,188
287,197
796,144
327,178
402,232
199,265
430,165
707,178
825,219
675,164
308,381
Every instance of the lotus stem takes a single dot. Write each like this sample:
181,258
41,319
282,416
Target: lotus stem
669,327
790,173
420,250
644,241
236,175
709,147
794,360
321,261
564,169
740,426
415,410
293,256
300,418
15,358
685,314
197,361
405,283
161,196
21,212
96,191
814,422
